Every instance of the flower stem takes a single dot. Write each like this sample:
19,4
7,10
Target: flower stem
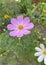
19,40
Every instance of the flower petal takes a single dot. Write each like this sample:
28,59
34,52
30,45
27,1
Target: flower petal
38,49
20,34
42,46
10,27
26,32
37,54
29,26
20,19
45,60
26,20
13,33
40,58
14,21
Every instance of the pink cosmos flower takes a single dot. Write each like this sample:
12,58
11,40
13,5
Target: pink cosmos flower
20,26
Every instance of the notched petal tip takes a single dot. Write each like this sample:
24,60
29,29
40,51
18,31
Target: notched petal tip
26,19
20,17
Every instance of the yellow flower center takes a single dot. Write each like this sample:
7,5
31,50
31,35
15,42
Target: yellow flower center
6,16
44,52
20,27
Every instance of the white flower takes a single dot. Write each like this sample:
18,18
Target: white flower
41,52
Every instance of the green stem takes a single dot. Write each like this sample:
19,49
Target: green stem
19,40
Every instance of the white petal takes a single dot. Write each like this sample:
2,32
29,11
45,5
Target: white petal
42,46
37,54
45,60
37,49
40,59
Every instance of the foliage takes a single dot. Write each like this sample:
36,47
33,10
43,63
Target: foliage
14,51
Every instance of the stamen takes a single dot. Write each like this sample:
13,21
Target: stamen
44,52
20,27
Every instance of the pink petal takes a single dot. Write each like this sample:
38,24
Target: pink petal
20,34
20,19
14,21
12,33
10,27
26,20
26,32
29,26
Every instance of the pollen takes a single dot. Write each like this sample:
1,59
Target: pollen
20,27
44,52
